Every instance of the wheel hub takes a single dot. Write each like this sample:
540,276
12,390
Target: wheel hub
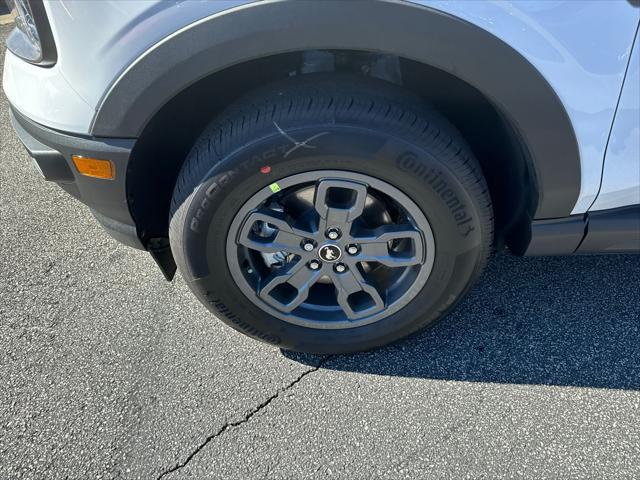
329,253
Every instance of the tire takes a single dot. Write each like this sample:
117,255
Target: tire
417,171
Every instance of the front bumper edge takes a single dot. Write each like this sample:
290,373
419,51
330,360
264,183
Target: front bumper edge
52,151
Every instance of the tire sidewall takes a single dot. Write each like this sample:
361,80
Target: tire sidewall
200,228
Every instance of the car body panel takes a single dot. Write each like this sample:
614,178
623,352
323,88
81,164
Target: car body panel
264,29
581,48
95,45
125,31
621,172
45,96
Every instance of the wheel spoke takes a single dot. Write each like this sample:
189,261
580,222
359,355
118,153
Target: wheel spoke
299,280
339,202
374,246
285,238
349,283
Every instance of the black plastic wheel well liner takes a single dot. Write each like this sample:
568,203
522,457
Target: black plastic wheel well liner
407,30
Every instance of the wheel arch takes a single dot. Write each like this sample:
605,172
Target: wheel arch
266,29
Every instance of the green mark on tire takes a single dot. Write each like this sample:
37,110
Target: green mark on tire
275,188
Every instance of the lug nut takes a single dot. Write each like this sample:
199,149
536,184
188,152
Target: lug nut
352,249
340,267
333,233
314,264
308,246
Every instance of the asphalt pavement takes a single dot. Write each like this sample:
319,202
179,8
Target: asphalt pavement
108,371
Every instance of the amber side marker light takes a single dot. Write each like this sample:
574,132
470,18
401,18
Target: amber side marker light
95,168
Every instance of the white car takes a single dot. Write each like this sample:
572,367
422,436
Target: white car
331,176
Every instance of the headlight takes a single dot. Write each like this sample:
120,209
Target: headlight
27,44
31,39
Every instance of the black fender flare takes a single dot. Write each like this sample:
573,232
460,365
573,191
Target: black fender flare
406,30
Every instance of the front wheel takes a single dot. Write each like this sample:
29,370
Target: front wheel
330,216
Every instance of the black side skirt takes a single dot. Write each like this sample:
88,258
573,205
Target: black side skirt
606,231
612,231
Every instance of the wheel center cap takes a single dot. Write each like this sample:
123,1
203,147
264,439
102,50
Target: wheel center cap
330,253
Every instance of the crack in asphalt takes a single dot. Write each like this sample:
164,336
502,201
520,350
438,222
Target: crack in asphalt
247,417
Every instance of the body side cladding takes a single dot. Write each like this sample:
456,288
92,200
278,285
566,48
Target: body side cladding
556,236
406,30
616,230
